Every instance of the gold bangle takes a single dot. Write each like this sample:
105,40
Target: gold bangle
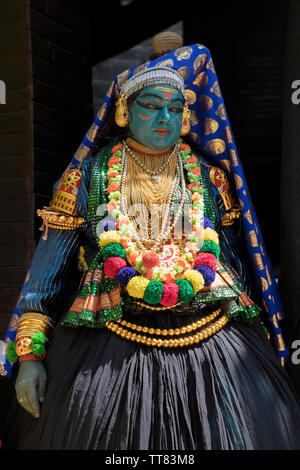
31,330
37,316
36,321
28,332
29,324
33,325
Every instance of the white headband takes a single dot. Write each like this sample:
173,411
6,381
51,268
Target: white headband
166,76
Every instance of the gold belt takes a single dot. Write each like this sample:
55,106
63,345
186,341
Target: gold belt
161,340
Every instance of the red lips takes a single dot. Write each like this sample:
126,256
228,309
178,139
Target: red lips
162,131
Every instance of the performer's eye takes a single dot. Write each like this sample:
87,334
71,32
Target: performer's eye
176,109
148,105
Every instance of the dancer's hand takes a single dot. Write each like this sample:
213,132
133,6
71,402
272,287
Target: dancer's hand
31,385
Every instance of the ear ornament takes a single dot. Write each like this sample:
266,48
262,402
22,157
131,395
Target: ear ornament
121,114
186,120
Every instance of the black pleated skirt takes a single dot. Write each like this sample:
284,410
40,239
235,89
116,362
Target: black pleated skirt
105,392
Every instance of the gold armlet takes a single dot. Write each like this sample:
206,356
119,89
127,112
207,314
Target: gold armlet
27,340
220,180
61,221
62,213
230,217
58,220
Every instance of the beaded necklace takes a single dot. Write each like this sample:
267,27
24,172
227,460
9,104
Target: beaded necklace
117,248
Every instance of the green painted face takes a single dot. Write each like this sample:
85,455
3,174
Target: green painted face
155,117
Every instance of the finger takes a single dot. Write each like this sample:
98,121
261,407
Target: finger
24,402
22,391
20,400
33,400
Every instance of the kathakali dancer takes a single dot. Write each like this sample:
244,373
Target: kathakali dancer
157,341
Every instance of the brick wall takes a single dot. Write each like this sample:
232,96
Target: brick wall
45,63
62,92
16,157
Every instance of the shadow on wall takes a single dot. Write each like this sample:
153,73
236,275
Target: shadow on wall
104,72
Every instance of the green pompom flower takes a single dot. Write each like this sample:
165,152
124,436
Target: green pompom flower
38,349
113,249
39,338
38,341
211,247
153,292
186,291
11,354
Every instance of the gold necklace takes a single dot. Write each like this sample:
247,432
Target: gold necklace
155,178
163,233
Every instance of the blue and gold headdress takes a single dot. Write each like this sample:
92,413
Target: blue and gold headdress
211,135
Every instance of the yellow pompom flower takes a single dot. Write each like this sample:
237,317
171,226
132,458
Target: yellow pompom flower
137,285
210,234
195,278
112,236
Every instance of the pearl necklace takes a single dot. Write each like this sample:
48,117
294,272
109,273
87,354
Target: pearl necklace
155,178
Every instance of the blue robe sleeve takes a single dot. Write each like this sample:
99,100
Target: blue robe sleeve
53,276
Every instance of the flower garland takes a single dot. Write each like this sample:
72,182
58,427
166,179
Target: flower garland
139,273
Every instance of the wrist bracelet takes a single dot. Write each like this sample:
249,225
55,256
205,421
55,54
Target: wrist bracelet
32,332
32,357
